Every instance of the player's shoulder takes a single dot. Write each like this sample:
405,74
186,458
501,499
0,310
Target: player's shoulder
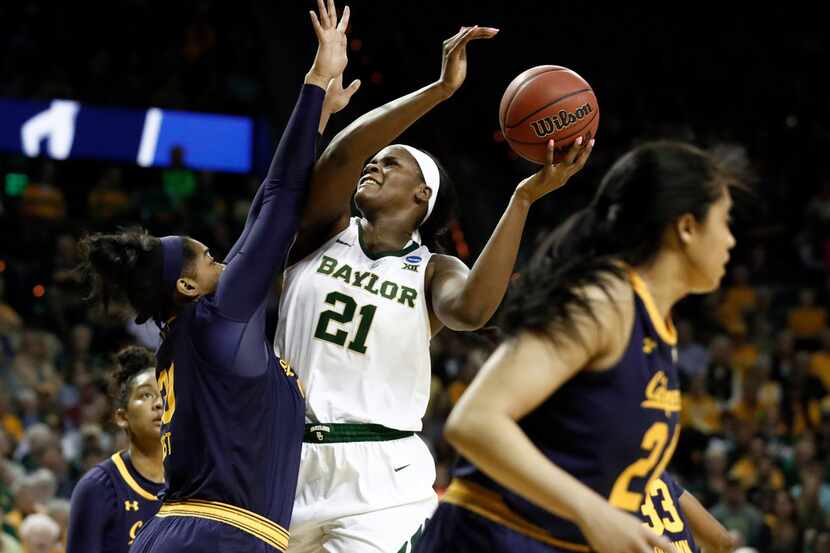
607,322
97,478
440,262
610,297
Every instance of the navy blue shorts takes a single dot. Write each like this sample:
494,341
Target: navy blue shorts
454,529
195,535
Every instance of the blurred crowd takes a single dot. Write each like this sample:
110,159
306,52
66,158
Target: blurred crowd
754,357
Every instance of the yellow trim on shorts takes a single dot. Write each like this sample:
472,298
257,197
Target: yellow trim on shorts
128,478
251,523
491,506
665,328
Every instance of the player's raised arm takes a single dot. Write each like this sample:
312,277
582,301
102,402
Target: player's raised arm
338,169
465,299
331,52
252,264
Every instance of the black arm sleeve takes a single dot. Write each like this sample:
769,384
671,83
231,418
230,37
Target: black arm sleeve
263,246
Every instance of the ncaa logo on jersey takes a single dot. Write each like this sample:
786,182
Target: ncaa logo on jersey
412,263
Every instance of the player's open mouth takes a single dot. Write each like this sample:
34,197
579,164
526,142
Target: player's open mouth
367,180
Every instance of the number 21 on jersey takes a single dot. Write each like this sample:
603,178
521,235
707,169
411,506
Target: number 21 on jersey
345,315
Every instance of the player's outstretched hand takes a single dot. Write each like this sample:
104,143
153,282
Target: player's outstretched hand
555,175
331,58
454,62
338,97
610,530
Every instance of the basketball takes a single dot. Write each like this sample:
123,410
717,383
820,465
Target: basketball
547,102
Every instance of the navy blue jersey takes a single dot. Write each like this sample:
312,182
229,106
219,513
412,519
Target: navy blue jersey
232,426
109,506
613,430
661,511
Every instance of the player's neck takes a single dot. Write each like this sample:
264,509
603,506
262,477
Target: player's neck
665,282
148,463
385,233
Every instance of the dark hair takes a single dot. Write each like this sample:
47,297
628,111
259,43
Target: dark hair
434,232
132,361
128,266
646,190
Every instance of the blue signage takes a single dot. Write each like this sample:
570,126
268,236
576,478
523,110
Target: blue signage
64,129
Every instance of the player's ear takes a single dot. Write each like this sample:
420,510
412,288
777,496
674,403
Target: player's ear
120,417
685,228
423,193
188,287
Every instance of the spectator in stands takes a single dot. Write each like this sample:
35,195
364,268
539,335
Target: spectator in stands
820,360
735,513
692,356
807,320
39,534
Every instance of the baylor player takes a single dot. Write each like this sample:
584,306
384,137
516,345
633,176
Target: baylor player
361,299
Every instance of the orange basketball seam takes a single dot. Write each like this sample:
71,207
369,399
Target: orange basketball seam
524,84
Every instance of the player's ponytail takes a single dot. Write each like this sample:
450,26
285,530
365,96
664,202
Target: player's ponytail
643,193
129,266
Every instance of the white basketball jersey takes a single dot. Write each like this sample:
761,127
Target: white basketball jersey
355,327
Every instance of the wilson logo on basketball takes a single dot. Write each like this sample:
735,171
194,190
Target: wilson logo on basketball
548,125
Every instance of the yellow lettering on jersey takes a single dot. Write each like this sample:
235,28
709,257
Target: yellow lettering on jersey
658,395
648,345
166,445
286,367
659,491
134,531
654,441
167,390
680,546
131,505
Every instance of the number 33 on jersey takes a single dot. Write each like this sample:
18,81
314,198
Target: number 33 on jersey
354,323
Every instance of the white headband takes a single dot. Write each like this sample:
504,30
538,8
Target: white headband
432,177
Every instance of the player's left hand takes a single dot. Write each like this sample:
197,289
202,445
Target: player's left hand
555,175
454,62
331,58
338,97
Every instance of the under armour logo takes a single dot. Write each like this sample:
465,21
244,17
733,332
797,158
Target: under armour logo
408,267
648,345
131,505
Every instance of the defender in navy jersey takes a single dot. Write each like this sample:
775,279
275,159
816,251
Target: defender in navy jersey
232,424
573,417
115,498
110,504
